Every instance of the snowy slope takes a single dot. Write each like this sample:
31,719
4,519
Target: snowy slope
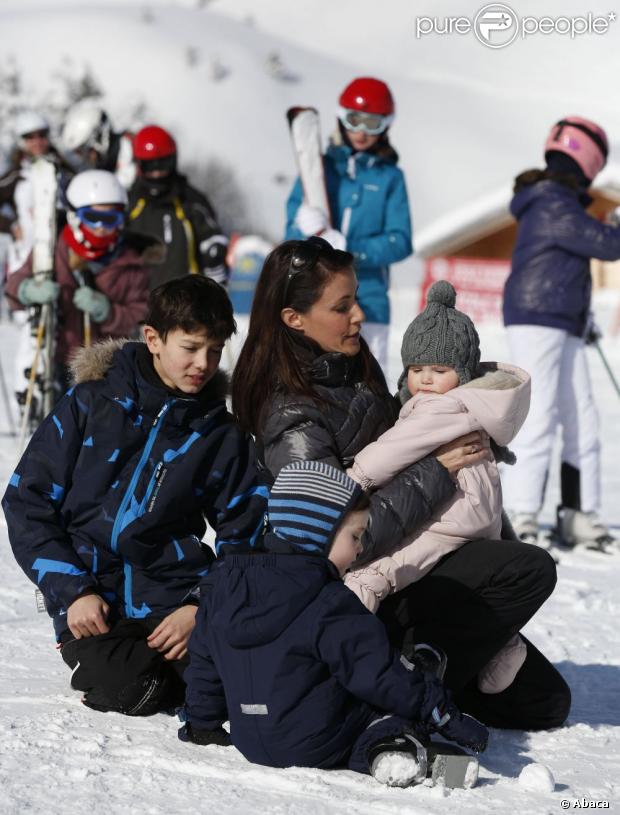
469,118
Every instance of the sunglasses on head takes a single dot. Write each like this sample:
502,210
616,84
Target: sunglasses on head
370,123
306,256
101,218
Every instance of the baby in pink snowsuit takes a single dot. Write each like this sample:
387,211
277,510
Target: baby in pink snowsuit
448,394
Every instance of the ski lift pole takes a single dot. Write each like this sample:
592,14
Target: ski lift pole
607,366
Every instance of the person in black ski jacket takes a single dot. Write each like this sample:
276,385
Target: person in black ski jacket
106,508
308,388
162,203
305,673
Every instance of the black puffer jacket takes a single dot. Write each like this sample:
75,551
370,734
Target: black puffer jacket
348,417
184,221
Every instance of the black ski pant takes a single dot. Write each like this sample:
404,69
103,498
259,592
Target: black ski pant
471,603
119,672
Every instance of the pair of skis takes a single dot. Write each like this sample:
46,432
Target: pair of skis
44,179
305,129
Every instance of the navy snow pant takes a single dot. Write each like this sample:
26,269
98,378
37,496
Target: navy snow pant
119,672
470,604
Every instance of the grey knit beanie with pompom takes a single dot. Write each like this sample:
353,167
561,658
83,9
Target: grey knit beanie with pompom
441,335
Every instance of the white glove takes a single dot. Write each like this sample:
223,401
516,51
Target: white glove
311,220
336,238
613,217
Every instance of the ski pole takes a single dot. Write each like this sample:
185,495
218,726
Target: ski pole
7,402
33,375
607,367
85,278
87,335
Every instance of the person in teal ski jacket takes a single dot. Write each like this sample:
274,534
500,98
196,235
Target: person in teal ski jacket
368,202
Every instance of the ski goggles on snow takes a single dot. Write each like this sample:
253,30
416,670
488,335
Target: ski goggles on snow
306,256
370,123
101,218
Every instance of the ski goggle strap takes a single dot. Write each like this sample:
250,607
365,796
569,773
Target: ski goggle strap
101,218
593,135
371,123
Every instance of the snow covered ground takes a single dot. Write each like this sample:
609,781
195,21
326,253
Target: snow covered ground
58,756
468,120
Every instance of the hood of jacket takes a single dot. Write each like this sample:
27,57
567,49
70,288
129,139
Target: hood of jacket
544,189
499,398
127,367
254,598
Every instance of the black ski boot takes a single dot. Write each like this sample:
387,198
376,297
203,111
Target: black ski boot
398,761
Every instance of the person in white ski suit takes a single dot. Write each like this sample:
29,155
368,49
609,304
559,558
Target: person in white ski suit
446,394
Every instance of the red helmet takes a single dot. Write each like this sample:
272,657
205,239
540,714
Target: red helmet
153,142
368,95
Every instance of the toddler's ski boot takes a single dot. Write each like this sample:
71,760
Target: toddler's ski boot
399,761
576,528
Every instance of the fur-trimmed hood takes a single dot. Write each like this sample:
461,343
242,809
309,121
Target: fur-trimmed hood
499,398
95,362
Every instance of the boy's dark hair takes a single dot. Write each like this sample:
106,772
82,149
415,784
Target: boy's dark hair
191,303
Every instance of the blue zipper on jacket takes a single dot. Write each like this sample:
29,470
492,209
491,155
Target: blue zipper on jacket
157,423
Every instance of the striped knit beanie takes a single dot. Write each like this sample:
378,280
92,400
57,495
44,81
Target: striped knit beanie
308,502
441,335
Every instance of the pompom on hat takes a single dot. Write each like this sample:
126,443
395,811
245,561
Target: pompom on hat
441,335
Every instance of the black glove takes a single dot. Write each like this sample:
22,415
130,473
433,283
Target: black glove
461,728
203,737
592,332
440,714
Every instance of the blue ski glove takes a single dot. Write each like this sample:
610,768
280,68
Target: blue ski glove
92,302
37,292
218,736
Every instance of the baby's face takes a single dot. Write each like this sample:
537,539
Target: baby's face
431,379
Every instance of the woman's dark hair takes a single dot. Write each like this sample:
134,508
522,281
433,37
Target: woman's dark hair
191,303
362,502
270,357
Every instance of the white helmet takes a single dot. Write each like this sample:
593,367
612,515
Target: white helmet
29,121
95,187
87,125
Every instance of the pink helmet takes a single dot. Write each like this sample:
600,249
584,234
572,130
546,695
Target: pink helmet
584,141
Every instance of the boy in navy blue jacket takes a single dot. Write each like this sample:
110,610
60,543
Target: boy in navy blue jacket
106,509
292,658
